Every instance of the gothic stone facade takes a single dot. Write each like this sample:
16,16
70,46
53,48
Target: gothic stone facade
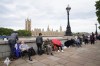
36,31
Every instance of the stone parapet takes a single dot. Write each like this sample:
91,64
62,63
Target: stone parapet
5,49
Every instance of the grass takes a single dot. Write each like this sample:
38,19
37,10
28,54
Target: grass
1,62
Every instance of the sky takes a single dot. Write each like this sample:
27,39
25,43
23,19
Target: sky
49,12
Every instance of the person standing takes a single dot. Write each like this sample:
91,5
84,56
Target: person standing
92,38
83,37
12,41
77,40
39,42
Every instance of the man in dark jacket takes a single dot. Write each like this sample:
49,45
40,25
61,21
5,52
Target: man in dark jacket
12,41
39,42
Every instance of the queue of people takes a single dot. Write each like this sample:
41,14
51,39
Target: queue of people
79,40
48,45
20,48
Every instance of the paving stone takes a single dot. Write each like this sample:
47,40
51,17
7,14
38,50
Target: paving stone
90,60
33,61
53,58
66,54
73,64
87,55
91,64
24,64
39,64
49,62
97,62
59,65
18,62
75,56
78,61
97,57
39,58
63,56
62,61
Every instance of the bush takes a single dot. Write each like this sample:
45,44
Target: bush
24,33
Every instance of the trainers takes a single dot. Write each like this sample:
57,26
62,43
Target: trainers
47,53
52,54
62,51
58,51
30,59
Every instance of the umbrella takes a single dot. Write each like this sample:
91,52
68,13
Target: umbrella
56,42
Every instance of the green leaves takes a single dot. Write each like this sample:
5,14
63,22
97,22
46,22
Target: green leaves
97,5
5,31
24,33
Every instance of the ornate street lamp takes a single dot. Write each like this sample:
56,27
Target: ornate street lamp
96,33
68,28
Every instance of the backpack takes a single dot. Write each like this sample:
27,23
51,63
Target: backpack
32,51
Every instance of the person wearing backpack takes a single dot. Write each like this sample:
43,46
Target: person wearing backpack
39,42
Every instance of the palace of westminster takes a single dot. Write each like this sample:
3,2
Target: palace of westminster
36,31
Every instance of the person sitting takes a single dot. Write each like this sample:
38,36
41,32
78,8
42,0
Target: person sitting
58,46
25,49
17,49
48,46
77,41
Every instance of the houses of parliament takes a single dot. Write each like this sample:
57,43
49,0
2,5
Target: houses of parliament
48,32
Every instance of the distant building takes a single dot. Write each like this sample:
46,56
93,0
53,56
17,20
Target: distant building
48,32
28,24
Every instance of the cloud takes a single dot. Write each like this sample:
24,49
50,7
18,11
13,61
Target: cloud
6,1
48,12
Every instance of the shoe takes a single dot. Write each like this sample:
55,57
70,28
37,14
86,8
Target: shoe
12,59
47,53
51,54
62,51
58,51
30,59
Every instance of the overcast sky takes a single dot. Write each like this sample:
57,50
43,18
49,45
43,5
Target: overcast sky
48,12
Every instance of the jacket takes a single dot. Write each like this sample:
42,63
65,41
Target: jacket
39,39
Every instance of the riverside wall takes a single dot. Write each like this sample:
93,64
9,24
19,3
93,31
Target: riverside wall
5,49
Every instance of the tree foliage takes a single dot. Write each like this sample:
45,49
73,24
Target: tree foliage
24,33
97,5
5,31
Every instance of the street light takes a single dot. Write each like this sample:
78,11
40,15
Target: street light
68,28
96,33
68,9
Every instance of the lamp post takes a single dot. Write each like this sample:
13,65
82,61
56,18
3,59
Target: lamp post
68,28
96,33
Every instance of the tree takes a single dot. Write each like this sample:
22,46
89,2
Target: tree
5,31
97,5
24,33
